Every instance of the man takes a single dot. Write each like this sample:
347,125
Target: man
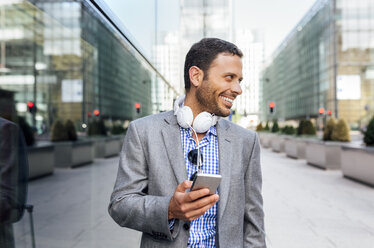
151,193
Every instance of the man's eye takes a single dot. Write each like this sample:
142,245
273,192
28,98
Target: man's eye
231,77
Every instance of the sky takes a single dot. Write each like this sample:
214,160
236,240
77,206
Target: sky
276,18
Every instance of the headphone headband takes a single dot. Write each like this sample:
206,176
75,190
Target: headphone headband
202,122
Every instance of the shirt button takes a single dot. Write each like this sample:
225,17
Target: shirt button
186,226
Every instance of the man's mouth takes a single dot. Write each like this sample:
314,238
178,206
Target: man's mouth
228,99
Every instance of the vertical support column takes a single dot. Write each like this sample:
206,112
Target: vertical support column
35,72
335,54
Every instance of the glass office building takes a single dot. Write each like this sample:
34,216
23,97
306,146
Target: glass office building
69,58
327,62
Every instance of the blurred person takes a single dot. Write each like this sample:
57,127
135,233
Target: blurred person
151,192
13,179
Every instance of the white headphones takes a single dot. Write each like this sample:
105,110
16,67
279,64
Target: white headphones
202,122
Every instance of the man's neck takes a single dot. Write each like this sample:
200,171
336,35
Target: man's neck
191,102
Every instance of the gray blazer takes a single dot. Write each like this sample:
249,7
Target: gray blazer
152,165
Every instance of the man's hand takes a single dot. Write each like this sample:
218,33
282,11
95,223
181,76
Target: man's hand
191,205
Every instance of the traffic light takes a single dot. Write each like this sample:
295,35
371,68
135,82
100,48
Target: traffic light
96,112
31,107
321,111
271,107
329,112
137,107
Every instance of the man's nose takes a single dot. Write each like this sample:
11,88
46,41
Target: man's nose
236,88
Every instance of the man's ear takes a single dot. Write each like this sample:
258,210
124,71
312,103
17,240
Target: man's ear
196,75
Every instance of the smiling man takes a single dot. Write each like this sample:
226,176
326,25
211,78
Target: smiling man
152,191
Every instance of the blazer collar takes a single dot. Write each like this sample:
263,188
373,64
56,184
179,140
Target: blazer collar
172,140
225,159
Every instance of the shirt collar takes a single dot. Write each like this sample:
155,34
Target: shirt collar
212,131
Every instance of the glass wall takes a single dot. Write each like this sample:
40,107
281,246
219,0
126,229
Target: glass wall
355,42
69,60
297,80
325,62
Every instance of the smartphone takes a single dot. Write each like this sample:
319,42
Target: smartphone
210,181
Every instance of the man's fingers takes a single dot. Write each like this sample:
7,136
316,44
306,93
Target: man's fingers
201,203
197,194
182,187
194,214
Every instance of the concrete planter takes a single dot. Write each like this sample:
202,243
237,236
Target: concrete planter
265,139
290,147
277,143
72,154
41,160
325,155
106,146
295,147
358,163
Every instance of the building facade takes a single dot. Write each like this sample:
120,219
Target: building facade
69,59
248,103
325,63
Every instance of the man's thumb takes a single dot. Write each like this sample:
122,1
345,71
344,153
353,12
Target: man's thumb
184,186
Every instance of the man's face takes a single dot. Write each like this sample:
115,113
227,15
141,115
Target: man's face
221,86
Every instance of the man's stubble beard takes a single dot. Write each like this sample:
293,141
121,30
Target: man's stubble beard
206,99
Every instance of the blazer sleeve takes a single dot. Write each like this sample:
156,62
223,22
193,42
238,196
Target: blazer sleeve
254,234
130,204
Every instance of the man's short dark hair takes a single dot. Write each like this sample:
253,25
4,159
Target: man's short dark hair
203,53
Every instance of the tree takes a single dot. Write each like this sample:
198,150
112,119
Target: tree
341,131
300,127
259,127
71,131
328,129
369,134
97,127
275,127
308,128
58,132
289,130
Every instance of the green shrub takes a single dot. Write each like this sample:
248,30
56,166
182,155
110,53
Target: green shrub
118,129
328,129
275,127
259,127
341,131
267,128
71,131
369,134
27,131
308,128
58,132
288,130
300,127
97,127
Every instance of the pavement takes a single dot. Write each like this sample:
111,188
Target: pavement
304,207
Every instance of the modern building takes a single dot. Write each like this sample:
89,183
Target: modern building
167,59
69,58
251,43
326,63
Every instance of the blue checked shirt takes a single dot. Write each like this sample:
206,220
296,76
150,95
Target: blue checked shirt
203,229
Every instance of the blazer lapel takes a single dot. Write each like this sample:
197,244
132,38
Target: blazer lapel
225,155
173,145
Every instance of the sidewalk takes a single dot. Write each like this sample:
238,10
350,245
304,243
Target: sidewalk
309,207
304,207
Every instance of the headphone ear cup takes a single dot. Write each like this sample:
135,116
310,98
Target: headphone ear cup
184,117
203,122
